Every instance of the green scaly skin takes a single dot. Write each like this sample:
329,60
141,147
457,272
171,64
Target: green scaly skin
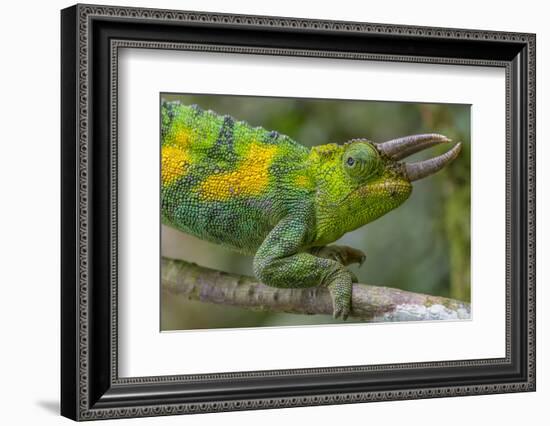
263,194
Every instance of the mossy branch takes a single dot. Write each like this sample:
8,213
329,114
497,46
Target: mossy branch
369,303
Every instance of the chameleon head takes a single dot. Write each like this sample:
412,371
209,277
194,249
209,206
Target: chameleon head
377,181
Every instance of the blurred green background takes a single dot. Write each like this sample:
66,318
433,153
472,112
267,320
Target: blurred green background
422,246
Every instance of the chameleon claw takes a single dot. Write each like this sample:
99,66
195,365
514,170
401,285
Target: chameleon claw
354,255
341,254
341,312
340,290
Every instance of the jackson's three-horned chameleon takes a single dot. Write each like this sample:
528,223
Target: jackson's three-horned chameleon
263,194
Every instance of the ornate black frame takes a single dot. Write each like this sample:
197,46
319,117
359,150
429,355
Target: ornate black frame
91,37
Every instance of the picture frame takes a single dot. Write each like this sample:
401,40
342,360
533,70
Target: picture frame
91,37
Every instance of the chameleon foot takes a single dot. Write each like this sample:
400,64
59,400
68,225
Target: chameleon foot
340,290
341,254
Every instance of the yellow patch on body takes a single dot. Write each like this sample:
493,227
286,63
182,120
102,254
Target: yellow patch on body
182,138
174,164
249,179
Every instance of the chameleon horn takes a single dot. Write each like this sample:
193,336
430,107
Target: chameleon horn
398,149
421,169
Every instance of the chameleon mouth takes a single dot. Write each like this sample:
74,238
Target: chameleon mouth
394,190
397,149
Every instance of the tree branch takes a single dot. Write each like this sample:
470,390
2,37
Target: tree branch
369,303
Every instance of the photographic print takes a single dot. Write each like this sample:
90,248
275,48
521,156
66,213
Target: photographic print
293,211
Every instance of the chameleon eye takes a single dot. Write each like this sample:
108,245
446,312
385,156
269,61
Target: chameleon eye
361,161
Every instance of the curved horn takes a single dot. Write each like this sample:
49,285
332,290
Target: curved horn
421,169
400,148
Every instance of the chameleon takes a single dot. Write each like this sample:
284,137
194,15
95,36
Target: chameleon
263,194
